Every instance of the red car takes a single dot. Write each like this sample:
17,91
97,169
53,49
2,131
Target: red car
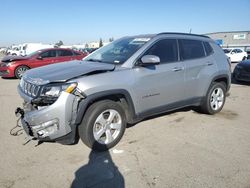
15,66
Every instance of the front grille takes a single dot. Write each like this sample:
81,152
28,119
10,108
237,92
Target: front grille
29,88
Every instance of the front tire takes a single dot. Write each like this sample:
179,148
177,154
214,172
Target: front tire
20,71
103,125
215,98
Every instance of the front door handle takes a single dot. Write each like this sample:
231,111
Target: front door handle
175,69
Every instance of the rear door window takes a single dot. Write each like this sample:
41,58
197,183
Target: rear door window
208,48
64,53
165,49
191,49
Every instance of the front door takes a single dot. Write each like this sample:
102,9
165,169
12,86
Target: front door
45,58
159,87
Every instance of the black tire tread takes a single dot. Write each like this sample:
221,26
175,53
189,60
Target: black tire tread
205,106
16,75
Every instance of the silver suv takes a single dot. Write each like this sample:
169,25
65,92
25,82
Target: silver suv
122,83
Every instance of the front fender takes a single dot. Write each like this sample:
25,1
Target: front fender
90,99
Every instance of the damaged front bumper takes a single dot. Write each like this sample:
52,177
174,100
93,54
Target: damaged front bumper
55,122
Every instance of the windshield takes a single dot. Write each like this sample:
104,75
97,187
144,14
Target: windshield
34,53
118,51
226,51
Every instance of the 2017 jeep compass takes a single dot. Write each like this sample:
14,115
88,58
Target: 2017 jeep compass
124,82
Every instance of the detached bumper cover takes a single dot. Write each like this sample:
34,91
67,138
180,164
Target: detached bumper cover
52,122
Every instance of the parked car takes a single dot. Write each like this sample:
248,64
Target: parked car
242,71
15,66
124,82
235,54
3,50
14,50
88,50
248,53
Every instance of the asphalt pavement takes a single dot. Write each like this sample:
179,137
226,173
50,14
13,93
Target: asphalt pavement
178,149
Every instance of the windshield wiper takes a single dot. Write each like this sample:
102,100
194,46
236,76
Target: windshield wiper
95,60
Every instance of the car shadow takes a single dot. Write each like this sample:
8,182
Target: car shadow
171,112
100,171
5,78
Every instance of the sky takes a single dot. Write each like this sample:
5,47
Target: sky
79,21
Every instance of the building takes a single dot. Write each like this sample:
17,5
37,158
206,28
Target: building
96,44
232,39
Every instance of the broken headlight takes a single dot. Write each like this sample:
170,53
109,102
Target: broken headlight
54,91
50,93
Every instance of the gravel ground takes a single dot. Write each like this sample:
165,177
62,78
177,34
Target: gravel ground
179,149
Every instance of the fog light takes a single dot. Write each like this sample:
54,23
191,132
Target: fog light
47,128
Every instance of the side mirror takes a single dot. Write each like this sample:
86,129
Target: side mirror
150,60
232,53
39,58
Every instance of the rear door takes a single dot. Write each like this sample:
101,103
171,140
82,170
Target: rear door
199,66
159,86
64,55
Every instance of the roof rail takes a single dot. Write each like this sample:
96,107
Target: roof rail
189,34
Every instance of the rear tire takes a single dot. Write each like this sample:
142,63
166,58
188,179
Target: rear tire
215,98
103,125
20,71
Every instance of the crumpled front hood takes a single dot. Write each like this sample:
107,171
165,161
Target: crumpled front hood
11,58
61,72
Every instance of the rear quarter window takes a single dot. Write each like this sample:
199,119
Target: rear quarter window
208,48
191,49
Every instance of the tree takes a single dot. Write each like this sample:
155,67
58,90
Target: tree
111,39
86,45
60,43
100,43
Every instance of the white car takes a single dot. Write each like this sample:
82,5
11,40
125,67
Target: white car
235,54
14,50
29,48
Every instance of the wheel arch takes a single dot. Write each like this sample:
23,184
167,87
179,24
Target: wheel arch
118,95
222,78
20,65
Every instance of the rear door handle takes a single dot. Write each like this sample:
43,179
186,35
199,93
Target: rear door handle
175,69
209,63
